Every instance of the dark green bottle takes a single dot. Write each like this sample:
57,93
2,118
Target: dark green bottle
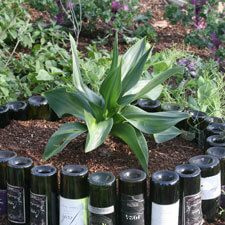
190,195
102,199
164,196
4,116
5,156
210,184
216,140
132,195
17,110
38,108
149,105
219,152
74,195
44,196
18,190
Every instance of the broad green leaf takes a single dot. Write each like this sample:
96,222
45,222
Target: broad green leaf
167,135
135,140
44,75
63,102
151,123
56,71
76,75
158,80
132,56
133,75
61,138
192,103
97,131
111,88
115,54
160,67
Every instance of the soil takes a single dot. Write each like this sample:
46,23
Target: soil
29,138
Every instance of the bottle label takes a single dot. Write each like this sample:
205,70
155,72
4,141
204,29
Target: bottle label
73,211
132,209
211,187
38,209
100,220
3,202
16,204
101,211
192,210
165,214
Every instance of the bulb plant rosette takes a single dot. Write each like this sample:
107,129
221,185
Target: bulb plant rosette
110,112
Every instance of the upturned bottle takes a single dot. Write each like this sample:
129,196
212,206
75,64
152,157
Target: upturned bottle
102,202
44,196
132,197
74,195
18,190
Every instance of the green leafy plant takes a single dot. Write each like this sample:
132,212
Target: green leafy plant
110,112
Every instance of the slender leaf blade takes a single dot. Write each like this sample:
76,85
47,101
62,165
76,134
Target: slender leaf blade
115,54
135,140
167,135
97,131
151,123
60,139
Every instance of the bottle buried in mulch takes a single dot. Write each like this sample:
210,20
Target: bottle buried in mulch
132,195
216,141
219,152
215,129
44,196
190,195
164,196
74,195
18,190
4,116
149,105
214,119
38,108
5,156
17,110
197,124
210,184
102,198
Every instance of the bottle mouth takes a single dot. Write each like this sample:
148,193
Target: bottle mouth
3,109
218,152
214,119
20,162
74,170
6,155
37,100
16,106
102,179
216,128
165,177
132,175
148,103
197,114
188,170
172,107
217,140
204,161
44,171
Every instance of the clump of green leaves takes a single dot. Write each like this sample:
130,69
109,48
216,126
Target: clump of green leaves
110,112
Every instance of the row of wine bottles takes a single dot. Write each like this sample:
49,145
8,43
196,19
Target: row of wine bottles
29,195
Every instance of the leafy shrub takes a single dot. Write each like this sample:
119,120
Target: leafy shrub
110,111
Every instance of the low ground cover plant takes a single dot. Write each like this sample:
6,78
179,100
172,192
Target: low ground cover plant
111,112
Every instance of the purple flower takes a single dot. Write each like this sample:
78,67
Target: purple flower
216,41
60,18
117,5
69,5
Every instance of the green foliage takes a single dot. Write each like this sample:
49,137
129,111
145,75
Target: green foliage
110,112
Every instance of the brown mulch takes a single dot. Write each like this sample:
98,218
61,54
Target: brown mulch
29,138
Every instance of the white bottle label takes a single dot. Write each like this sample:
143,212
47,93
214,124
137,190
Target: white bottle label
211,187
165,214
73,211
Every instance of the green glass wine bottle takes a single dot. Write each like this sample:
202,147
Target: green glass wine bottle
164,196
132,195
74,195
210,184
18,190
4,116
102,199
44,196
190,195
5,156
17,110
